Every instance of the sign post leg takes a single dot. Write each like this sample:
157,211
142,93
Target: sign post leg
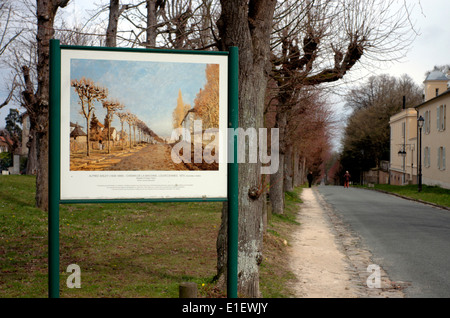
233,175
54,169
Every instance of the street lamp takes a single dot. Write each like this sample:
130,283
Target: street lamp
420,122
402,153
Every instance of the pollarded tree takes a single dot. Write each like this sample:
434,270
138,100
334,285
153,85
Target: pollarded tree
37,101
131,118
112,106
247,24
122,117
88,92
318,42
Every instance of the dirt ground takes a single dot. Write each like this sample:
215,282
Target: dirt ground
329,260
142,157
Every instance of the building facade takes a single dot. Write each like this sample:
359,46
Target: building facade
403,156
435,131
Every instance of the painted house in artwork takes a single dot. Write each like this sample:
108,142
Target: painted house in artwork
188,124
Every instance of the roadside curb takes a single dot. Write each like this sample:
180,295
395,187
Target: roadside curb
410,199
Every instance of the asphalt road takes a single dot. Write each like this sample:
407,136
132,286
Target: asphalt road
409,240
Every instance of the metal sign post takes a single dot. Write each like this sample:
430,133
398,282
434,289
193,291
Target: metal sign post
56,182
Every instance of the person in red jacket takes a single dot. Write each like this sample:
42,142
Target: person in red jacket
347,178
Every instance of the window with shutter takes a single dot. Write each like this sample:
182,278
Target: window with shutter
443,158
439,158
438,121
444,116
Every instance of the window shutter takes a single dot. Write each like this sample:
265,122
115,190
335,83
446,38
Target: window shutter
444,116
439,158
443,158
437,117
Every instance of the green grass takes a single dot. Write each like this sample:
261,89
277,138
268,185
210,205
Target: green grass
431,194
275,271
124,250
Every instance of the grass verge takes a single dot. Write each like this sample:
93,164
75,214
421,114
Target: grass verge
275,272
431,194
125,250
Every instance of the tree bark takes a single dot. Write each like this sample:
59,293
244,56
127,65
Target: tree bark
247,25
151,23
277,179
296,164
288,169
111,31
28,101
46,11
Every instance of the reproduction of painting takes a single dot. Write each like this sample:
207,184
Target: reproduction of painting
142,125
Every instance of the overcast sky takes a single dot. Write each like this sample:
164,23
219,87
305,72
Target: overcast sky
431,46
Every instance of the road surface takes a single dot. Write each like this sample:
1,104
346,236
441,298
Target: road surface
408,240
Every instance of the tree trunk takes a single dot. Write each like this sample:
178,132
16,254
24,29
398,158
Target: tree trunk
277,179
32,156
29,101
88,136
276,193
46,11
296,164
288,169
303,170
248,26
151,23
111,31
222,249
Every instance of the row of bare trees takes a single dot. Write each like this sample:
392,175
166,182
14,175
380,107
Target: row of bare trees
299,46
90,92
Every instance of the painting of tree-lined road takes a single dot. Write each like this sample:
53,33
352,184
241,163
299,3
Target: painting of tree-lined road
123,113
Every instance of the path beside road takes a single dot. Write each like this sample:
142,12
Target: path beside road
328,259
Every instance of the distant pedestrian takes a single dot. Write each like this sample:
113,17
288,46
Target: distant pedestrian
310,178
347,178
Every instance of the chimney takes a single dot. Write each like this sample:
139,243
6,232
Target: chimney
404,102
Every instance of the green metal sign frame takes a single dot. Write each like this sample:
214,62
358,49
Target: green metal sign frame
55,162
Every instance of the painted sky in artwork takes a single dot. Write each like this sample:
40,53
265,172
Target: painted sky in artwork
147,89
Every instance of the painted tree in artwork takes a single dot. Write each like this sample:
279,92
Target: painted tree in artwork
207,100
122,117
88,92
131,118
112,107
180,111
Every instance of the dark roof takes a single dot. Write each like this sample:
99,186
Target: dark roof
436,76
77,132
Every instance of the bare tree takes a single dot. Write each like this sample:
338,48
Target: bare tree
131,118
111,108
122,117
88,92
317,42
7,37
46,12
247,25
